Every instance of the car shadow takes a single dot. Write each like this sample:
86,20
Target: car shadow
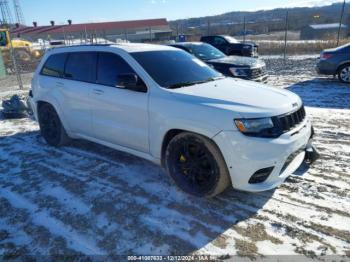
143,212
323,92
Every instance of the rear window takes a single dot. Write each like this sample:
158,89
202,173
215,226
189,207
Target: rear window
54,65
206,39
81,66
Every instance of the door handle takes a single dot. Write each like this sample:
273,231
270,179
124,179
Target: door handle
98,91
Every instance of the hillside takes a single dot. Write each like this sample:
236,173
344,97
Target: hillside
265,20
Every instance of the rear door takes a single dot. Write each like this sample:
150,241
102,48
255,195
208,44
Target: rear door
120,116
76,88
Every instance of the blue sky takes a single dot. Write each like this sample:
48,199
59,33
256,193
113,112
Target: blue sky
80,11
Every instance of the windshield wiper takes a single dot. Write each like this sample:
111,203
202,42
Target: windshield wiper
183,84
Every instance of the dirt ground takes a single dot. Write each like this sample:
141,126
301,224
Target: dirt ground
87,199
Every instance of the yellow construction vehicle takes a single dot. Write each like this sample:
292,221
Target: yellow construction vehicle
23,52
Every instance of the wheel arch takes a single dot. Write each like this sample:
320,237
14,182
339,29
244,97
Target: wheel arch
52,103
170,134
341,65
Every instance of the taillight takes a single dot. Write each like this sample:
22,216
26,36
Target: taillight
325,56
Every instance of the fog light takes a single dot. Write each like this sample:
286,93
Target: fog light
260,175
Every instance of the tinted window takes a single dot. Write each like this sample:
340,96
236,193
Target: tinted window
207,39
81,66
206,52
181,47
345,48
219,41
54,65
3,39
109,67
172,68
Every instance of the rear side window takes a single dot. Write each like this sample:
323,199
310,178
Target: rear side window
54,65
219,41
109,67
81,66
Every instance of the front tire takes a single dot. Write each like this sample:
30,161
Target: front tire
196,165
51,127
344,74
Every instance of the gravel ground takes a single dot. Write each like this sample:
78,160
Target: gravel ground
86,199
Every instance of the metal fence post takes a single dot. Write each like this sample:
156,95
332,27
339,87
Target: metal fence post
244,29
340,22
285,38
150,34
17,72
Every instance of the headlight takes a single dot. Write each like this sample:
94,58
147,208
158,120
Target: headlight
258,127
247,47
238,72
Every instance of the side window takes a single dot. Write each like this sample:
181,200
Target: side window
54,65
81,66
3,38
109,67
219,41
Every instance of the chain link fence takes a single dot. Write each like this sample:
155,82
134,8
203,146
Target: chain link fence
282,34
277,32
20,55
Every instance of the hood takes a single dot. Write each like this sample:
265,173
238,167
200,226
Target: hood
247,99
241,61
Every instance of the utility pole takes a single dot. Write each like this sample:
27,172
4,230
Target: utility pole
208,29
18,12
244,29
285,38
7,19
340,22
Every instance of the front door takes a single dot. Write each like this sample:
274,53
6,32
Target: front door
119,116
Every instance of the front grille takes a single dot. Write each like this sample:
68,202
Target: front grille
257,72
289,121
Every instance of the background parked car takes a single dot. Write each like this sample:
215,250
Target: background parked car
235,66
231,46
335,61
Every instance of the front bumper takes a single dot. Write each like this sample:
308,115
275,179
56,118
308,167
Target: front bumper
246,155
262,78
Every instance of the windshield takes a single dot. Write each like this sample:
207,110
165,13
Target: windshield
3,40
205,52
230,39
174,69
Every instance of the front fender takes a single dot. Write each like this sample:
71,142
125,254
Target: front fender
159,131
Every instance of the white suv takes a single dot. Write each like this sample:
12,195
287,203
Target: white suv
162,104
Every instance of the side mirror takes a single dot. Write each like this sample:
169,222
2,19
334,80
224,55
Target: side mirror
131,82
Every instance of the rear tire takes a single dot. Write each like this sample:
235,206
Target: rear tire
196,165
51,127
344,74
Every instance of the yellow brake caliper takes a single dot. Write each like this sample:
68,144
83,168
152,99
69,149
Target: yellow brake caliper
183,160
